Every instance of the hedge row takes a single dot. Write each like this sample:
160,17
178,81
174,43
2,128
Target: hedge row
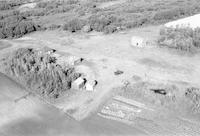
186,39
15,25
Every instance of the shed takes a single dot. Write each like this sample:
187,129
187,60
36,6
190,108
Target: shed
74,60
90,85
78,83
137,41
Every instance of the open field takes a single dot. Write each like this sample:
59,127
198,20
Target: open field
145,122
105,56
98,67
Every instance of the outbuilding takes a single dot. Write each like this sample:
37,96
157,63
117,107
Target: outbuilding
90,85
137,41
78,83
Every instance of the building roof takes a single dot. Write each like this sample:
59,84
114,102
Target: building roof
192,22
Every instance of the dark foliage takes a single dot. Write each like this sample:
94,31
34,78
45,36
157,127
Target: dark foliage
74,25
193,95
54,26
39,71
34,12
54,7
186,39
170,14
6,5
16,25
104,23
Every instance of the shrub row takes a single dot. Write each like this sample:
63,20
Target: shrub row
6,5
54,7
185,39
177,12
74,25
15,26
99,23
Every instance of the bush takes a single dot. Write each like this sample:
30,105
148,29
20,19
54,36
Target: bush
16,26
193,95
166,15
104,23
177,12
54,7
196,38
54,26
8,14
74,25
40,72
110,29
185,39
70,2
35,12
6,5
41,4
49,4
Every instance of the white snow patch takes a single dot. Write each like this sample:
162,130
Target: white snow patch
192,22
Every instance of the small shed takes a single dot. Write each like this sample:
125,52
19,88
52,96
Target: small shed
74,60
78,83
90,85
137,41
